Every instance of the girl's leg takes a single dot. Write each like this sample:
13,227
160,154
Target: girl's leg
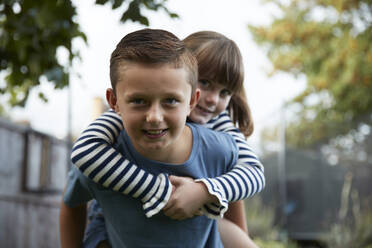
234,237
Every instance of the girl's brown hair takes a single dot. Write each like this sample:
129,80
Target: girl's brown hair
220,61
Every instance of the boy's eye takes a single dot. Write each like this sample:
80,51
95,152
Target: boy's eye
137,101
171,101
204,83
225,93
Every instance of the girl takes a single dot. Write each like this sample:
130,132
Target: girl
222,97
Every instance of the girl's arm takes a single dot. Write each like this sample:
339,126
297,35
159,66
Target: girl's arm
244,180
95,157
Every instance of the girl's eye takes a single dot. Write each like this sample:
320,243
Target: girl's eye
225,93
204,83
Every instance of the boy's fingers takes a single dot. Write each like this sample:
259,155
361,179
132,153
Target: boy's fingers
198,213
169,212
170,202
175,180
175,214
170,209
168,206
176,217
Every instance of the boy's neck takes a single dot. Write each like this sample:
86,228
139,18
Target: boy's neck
176,153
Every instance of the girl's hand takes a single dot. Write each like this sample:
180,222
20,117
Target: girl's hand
187,198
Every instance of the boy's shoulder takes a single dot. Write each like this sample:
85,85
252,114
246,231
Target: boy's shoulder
214,148
213,139
77,189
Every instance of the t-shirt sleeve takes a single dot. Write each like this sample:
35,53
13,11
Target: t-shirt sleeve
77,189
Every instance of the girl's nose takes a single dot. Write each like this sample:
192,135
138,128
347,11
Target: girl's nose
212,98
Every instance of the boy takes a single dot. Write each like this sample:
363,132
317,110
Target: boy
153,79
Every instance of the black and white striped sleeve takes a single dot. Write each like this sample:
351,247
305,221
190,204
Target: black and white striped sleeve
244,180
95,157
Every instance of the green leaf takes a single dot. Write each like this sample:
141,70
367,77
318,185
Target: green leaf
30,38
117,4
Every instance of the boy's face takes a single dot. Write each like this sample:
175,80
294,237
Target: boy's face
153,102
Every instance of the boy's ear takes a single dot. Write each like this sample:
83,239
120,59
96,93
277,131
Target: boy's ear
194,99
111,99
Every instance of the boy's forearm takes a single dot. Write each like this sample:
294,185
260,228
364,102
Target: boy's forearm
72,223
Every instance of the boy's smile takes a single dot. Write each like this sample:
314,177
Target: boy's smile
154,134
154,102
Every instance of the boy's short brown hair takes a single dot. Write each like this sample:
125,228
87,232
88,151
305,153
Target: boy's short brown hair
153,47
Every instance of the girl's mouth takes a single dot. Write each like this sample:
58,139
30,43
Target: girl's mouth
204,110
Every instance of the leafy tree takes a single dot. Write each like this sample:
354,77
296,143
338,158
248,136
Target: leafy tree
31,32
328,41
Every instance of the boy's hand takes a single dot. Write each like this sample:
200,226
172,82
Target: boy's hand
187,198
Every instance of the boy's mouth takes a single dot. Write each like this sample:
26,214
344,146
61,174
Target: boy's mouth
155,133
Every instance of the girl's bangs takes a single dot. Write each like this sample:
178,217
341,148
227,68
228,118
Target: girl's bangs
220,64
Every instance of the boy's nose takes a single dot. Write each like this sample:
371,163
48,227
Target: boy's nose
154,115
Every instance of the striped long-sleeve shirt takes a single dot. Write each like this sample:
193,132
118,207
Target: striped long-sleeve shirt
94,155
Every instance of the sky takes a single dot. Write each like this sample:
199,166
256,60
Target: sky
101,24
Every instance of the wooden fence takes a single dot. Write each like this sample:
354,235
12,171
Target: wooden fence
33,171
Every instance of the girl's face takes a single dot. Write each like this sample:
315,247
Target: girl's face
214,98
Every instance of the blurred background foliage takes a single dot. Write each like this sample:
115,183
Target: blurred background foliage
32,32
328,41
352,228
351,232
